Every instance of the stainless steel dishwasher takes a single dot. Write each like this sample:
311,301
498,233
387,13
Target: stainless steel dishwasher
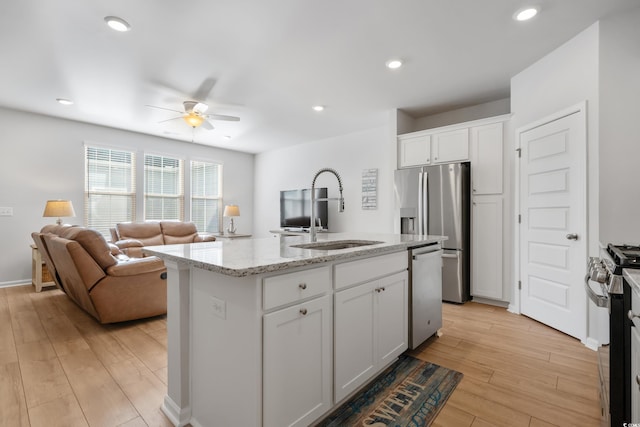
425,293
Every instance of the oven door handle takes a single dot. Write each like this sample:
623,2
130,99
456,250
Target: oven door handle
599,300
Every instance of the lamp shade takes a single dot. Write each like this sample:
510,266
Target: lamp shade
231,210
58,208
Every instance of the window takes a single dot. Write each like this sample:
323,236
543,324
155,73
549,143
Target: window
110,190
163,188
206,196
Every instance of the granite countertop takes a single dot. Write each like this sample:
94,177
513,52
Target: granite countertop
633,278
246,257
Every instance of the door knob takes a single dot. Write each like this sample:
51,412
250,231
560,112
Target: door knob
572,236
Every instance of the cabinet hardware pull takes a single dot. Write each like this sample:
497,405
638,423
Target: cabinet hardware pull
383,289
572,236
638,379
303,311
302,286
631,315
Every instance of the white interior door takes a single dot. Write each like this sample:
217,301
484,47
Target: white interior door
553,209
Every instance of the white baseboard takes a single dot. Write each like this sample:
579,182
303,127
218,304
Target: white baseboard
13,283
179,417
592,343
490,301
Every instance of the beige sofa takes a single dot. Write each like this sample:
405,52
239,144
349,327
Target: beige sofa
131,237
104,282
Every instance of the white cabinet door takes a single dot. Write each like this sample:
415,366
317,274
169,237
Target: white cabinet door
451,146
371,329
393,303
486,159
635,371
297,363
355,338
414,150
486,251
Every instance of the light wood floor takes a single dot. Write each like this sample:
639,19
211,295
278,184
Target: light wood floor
517,372
58,367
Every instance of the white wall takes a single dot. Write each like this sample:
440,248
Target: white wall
620,128
563,78
460,115
43,158
294,167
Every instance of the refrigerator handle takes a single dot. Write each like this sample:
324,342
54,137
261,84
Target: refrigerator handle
424,205
420,202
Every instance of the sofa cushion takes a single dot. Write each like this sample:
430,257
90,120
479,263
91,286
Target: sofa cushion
149,233
176,232
94,243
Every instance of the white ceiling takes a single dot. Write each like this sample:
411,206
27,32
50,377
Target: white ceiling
270,61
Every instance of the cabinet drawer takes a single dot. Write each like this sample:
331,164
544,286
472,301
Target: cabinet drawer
367,269
291,287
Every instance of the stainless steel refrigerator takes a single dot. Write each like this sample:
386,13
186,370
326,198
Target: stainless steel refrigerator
436,200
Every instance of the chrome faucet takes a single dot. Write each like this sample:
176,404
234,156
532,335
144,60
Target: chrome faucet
312,228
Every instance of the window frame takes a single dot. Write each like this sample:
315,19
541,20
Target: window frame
104,226
180,196
219,198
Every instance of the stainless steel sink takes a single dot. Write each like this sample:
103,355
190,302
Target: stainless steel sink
336,244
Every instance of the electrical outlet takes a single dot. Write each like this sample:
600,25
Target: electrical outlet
219,307
6,211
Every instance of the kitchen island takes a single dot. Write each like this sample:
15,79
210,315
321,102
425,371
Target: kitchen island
264,333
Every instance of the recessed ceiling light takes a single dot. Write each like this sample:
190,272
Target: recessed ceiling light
64,101
318,108
526,13
117,24
394,63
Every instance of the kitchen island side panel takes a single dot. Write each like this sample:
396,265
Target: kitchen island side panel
226,349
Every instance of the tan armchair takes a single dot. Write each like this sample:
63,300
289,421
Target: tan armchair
112,288
131,237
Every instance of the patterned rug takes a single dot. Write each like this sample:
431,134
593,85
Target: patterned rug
409,393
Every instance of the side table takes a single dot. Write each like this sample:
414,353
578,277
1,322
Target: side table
40,276
231,236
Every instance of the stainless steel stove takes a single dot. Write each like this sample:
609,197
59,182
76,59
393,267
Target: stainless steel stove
614,361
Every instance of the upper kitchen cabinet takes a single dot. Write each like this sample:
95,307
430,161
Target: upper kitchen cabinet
486,158
414,150
451,146
478,141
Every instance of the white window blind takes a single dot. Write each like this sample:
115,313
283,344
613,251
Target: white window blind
206,196
110,193
163,188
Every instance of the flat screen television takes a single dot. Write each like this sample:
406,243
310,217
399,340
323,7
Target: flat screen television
295,209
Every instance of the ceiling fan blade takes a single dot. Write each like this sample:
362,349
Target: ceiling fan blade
200,108
168,120
223,117
207,125
205,88
162,108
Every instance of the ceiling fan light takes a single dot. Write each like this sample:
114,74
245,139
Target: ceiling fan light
193,120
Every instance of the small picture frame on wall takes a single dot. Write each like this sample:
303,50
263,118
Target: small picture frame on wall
370,189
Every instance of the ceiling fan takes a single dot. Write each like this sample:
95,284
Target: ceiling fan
194,115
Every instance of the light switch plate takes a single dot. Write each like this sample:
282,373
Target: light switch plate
6,211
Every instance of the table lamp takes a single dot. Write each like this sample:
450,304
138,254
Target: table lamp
58,208
231,211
